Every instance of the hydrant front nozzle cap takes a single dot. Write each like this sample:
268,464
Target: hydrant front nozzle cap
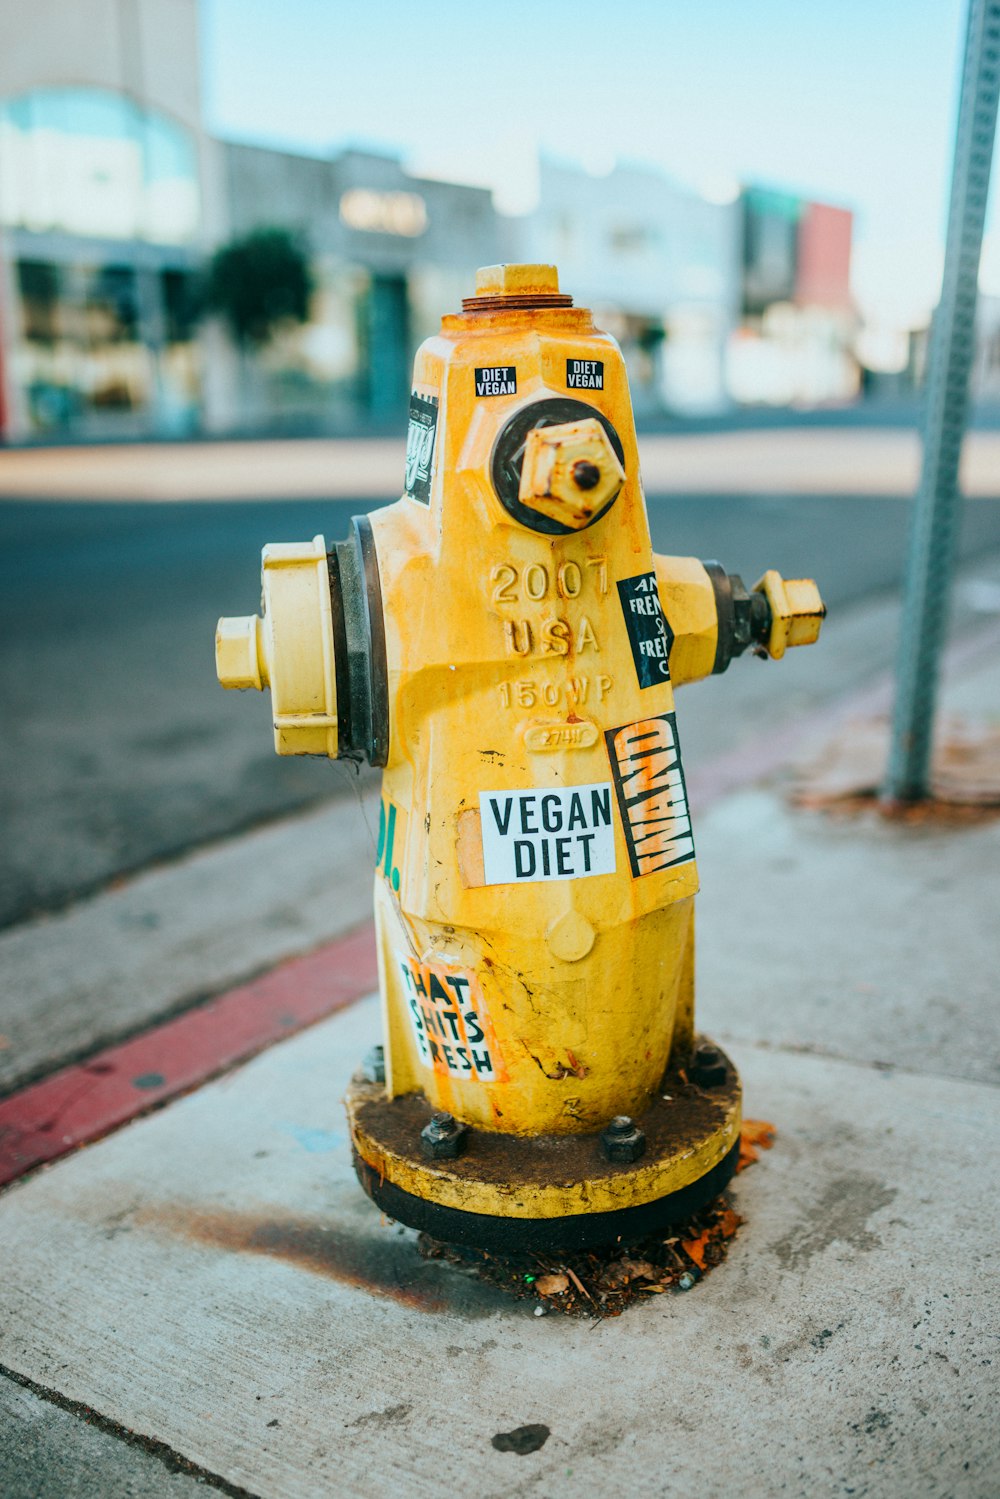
516,280
238,655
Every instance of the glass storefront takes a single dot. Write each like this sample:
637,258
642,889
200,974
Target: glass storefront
99,201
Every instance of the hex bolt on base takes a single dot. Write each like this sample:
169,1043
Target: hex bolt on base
373,1065
622,1141
708,1069
443,1138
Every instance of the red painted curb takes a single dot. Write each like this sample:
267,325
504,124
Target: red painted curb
85,1101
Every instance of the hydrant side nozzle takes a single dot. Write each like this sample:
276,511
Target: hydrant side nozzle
775,614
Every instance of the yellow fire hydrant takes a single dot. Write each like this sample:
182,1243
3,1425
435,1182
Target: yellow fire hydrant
504,643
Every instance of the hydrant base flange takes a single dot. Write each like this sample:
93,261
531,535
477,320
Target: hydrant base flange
513,1193
554,1235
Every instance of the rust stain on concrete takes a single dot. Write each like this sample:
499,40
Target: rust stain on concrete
385,1264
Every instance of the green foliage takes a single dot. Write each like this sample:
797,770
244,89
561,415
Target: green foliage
258,282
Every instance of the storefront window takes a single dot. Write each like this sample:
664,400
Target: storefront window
91,162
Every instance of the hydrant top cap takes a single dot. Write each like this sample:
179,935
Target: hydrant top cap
516,280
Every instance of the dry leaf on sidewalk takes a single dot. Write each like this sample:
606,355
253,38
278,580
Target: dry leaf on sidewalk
551,1285
695,1248
727,1224
755,1135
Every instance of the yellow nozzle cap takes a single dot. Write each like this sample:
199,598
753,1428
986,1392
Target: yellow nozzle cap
797,611
516,280
239,659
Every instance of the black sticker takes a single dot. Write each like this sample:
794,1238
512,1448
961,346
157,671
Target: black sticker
585,374
498,380
650,635
652,797
420,435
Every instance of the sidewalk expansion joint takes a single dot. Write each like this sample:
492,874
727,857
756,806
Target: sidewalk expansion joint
173,1461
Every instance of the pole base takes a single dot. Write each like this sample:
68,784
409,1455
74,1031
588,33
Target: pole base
511,1194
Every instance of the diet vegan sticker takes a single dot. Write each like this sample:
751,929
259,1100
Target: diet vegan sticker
585,374
561,834
649,634
652,798
420,435
497,380
449,1020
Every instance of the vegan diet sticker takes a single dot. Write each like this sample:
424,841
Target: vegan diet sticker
449,1020
497,380
585,374
420,435
649,634
652,798
561,834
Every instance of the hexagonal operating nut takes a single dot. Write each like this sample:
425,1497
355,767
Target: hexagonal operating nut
443,1138
239,653
797,611
622,1140
516,280
570,472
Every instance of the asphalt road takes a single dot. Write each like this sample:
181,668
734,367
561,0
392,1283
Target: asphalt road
118,748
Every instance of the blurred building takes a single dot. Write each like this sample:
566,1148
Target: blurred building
799,325
112,196
106,209
986,369
658,264
390,253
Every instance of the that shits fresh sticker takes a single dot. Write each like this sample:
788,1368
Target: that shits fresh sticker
649,781
649,634
449,1020
565,833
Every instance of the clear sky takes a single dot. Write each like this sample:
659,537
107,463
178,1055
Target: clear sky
850,101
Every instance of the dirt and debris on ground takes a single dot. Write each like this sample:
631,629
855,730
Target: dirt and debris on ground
846,777
603,1282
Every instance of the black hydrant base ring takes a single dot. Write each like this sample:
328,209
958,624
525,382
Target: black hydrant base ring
519,1235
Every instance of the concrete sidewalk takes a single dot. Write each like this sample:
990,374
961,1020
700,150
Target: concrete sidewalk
212,1284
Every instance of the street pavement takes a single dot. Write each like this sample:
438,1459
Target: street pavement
119,749
212,1285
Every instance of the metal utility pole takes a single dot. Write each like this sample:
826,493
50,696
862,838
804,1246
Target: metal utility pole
936,508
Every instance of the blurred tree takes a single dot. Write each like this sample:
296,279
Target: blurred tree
257,283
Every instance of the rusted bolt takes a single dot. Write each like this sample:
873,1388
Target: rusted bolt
708,1069
586,475
443,1138
373,1066
622,1140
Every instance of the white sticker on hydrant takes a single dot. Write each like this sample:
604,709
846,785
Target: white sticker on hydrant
564,833
448,1015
